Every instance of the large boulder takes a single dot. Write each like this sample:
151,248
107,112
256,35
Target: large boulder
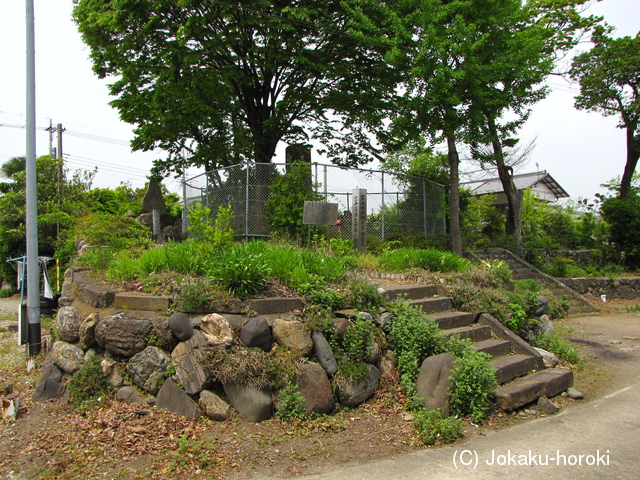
216,329
148,368
256,333
50,383
87,332
253,403
213,406
324,352
171,397
294,335
186,362
180,325
432,384
549,359
68,357
353,394
315,387
68,324
123,335
129,394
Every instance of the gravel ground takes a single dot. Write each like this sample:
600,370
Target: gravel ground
9,311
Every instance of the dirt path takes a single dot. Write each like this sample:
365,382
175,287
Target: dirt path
134,442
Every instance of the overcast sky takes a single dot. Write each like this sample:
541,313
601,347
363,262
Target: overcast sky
580,150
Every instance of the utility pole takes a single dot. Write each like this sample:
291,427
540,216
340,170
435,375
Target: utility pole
52,150
59,129
33,270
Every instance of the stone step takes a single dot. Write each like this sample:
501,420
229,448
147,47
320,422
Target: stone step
433,305
476,333
509,367
495,348
447,320
548,382
411,292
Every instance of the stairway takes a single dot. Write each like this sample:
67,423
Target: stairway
520,372
520,270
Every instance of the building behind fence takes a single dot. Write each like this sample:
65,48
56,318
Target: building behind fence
396,204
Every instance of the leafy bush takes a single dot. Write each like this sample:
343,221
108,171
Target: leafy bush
114,231
413,337
365,296
290,403
433,428
358,339
218,234
472,380
87,384
6,292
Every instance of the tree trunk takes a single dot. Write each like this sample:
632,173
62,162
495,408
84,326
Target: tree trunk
633,154
514,197
454,197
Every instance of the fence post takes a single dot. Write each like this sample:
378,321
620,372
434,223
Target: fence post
246,202
382,210
325,182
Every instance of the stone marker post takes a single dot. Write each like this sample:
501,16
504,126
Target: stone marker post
359,219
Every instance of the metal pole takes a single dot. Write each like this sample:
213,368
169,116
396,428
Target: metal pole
33,270
382,209
246,201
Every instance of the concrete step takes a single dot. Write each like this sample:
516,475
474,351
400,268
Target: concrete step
411,292
476,333
447,320
548,383
495,348
433,305
509,367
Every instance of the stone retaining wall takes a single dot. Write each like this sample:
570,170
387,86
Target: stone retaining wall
627,288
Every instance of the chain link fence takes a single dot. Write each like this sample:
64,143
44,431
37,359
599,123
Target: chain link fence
396,204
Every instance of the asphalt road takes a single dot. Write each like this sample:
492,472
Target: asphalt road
598,440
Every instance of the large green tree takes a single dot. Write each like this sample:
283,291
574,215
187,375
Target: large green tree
609,76
215,82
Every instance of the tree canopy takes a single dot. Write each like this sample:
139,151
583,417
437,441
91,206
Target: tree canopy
214,83
609,77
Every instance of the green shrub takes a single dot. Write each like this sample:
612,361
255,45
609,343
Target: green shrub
98,259
114,231
365,296
433,428
123,268
290,403
87,384
358,339
428,259
413,337
6,292
472,380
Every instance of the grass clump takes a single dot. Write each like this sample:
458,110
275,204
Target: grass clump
427,259
252,366
558,345
434,428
